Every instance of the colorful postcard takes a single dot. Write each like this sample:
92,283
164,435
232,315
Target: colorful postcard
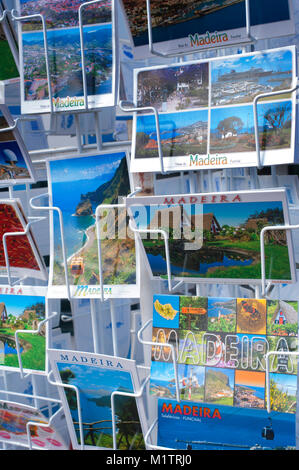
189,26
15,163
22,312
96,377
23,255
62,14
13,420
78,186
215,237
206,112
65,61
212,426
219,365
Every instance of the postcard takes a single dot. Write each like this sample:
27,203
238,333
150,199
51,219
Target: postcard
220,346
22,312
65,61
23,255
8,65
215,237
206,112
206,426
15,163
96,377
189,26
78,186
13,420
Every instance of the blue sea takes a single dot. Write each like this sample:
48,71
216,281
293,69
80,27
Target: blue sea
237,426
259,392
67,196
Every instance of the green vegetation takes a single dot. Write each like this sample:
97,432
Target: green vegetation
287,329
225,324
33,345
191,351
197,393
33,354
281,401
276,257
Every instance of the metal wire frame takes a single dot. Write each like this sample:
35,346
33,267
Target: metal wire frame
31,220
40,16
168,345
37,331
15,17
40,425
168,264
99,208
124,394
81,27
133,109
58,210
267,356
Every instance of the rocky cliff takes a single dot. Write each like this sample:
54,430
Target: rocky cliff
106,193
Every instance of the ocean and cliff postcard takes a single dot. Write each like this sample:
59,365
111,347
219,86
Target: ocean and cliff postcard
220,349
15,163
22,312
189,26
206,426
215,237
65,62
78,186
13,430
23,255
206,112
96,377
